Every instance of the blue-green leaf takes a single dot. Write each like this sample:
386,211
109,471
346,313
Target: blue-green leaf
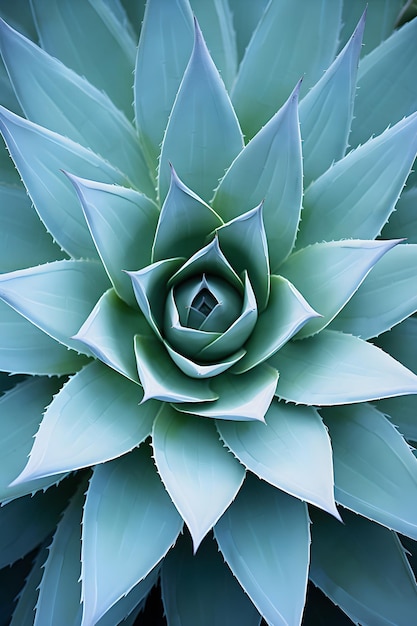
194,369
40,155
336,205
363,568
273,572
328,275
246,15
386,297
334,368
291,451
375,471
119,550
268,170
199,588
203,114
403,221
93,39
256,94
122,223
56,297
199,473
23,614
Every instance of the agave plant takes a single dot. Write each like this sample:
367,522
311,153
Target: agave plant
197,299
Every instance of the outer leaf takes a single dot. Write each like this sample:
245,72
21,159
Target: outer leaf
245,21
120,550
40,155
122,223
368,454
387,296
23,614
165,46
291,451
361,586
200,475
268,170
273,572
103,49
404,219
326,111
96,405
55,97
200,588
333,368
328,274
244,397
257,95
336,205
56,297
203,114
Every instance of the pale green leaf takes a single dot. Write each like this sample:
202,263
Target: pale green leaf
403,221
122,223
23,614
92,39
165,46
24,349
264,538
96,405
268,170
243,397
23,239
326,111
197,370
328,275
9,174
386,297
334,368
363,568
40,155
199,588
204,122
129,525
56,297
291,451
55,97
375,471
246,15
199,473
337,205
258,94
161,379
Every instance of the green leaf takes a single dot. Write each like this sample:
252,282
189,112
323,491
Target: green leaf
40,155
268,170
336,205
161,379
386,87
385,298
56,297
368,452
24,349
198,472
403,220
184,223
92,39
198,370
20,16
55,97
334,368
23,614
96,405
21,409
257,95
246,15
363,568
328,275
326,111
203,118
24,241
119,550
165,45
286,313
243,397
108,333
118,218
273,572
200,588
291,451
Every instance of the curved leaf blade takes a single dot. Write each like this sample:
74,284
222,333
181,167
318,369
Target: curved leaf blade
403,221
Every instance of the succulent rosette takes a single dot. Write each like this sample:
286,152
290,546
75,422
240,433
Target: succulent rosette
198,293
